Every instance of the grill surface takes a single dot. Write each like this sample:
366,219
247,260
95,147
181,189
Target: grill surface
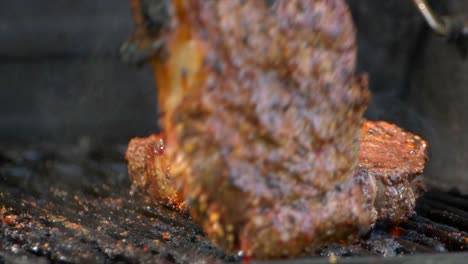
71,204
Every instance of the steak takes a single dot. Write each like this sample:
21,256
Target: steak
393,162
385,186
262,118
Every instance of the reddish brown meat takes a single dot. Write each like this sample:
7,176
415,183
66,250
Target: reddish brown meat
392,159
386,184
273,128
149,170
262,115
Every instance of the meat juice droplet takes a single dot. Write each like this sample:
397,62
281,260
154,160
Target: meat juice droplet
159,147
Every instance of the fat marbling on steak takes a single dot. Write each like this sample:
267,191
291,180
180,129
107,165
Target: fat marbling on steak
262,117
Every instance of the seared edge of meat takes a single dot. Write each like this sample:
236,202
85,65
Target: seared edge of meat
149,170
395,160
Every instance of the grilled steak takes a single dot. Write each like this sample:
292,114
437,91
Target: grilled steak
384,187
392,161
262,113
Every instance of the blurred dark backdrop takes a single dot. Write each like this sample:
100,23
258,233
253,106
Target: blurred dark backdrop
61,77
62,80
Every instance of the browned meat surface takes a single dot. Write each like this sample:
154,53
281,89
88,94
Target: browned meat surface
273,127
393,159
262,113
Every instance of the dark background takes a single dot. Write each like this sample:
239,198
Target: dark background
62,81
60,74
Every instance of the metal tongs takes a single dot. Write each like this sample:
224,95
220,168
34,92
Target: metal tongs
453,28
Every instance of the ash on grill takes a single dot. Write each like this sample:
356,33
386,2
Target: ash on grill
71,203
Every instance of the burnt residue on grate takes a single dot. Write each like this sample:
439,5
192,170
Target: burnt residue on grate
72,204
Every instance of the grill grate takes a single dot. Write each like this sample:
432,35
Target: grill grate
71,204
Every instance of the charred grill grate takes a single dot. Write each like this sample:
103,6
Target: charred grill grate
71,204
438,227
